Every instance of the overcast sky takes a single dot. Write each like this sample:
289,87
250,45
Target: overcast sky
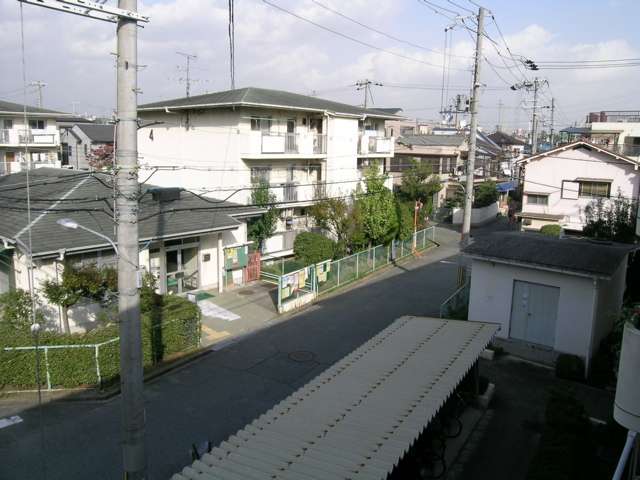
275,50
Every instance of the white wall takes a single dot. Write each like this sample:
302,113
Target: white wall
491,296
342,158
478,215
610,297
546,174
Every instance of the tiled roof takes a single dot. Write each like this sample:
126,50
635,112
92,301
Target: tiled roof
432,140
87,199
262,97
18,108
97,133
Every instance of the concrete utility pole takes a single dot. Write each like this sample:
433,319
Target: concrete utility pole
534,120
366,86
553,110
131,372
188,58
39,85
471,163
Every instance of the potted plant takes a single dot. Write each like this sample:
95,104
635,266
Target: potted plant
626,409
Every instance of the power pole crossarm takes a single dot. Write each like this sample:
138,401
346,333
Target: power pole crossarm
471,163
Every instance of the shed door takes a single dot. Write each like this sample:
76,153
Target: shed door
534,311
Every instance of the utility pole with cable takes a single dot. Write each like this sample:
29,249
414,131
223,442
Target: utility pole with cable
471,163
534,119
188,57
366,86
553,110
39,85
131,378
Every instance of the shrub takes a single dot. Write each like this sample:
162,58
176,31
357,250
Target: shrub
570,367
551,230
170,325
310,248
16,309
485,194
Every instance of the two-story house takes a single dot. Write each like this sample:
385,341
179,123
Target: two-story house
560,183
223,144
80,140
38,138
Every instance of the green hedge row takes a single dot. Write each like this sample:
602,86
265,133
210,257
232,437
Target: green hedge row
170,325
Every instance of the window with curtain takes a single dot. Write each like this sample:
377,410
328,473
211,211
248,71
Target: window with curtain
594,189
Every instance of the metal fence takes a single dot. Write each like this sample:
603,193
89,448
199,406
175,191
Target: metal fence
458,300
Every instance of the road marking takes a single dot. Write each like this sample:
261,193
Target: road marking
447,262
8,421
210,309
214,335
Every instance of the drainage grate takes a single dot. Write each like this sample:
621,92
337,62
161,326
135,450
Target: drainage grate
301,356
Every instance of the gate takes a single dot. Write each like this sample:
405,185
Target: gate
252,270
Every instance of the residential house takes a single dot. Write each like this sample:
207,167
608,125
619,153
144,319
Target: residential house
36,141
512,148
187,242
81,139
560,183
305,147
549,295
616,130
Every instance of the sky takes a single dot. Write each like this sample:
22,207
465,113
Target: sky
73,55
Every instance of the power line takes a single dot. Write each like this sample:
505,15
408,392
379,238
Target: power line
348,37
232,45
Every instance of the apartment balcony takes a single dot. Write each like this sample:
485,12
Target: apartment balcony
17,137
263,145
293,192
7,168
374,144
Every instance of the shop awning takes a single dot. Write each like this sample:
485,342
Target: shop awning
506,186
358,418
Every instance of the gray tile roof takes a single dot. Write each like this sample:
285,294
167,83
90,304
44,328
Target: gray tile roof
581,256
503,139
262,97
97,133
10,107
87,199
432,140
358,418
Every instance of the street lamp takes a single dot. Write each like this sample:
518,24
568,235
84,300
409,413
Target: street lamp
72,224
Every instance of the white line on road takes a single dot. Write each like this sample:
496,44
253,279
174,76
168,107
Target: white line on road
8,421
447,262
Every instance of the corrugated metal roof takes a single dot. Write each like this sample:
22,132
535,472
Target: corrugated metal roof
358,418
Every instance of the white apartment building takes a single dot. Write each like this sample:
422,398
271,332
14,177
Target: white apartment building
306,148
560,183
39,136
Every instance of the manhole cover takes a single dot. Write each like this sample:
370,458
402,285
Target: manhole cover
246,292
301,356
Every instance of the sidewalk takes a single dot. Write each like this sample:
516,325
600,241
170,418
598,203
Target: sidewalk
228,315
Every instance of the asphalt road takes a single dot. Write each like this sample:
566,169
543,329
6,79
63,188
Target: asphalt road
218,394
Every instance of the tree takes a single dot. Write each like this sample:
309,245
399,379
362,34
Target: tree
16,309
88,282
311,248
378,208
101,157
336,216
486,193
611,219
405,213
261,228
419,184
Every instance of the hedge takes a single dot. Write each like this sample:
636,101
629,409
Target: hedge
169,327
310,248
551,230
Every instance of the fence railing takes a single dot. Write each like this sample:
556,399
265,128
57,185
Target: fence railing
303,285
456,301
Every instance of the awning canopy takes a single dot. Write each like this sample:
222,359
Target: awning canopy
506,186
358,418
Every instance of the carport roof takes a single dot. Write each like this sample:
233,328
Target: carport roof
533,250
358,418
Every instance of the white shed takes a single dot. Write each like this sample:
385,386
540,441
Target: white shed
549,295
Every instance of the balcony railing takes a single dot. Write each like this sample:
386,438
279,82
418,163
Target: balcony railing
289,192
624,149
320,191
36,137
286,143
296,192
4,136
319,143
372,144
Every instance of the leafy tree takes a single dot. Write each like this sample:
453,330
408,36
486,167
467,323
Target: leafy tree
88,282
16,309
101,158
261,228
405,213
613,219
486,193
419,183
378,209
336,216
311,248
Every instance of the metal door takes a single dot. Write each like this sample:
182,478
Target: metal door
534,312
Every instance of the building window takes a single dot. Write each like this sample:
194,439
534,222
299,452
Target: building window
260,174
36,124
261,124
8,123
594,189
537,199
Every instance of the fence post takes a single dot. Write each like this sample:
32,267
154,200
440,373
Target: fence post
401,249
46,363
97,354
338,283
279,294
357,266
374,259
